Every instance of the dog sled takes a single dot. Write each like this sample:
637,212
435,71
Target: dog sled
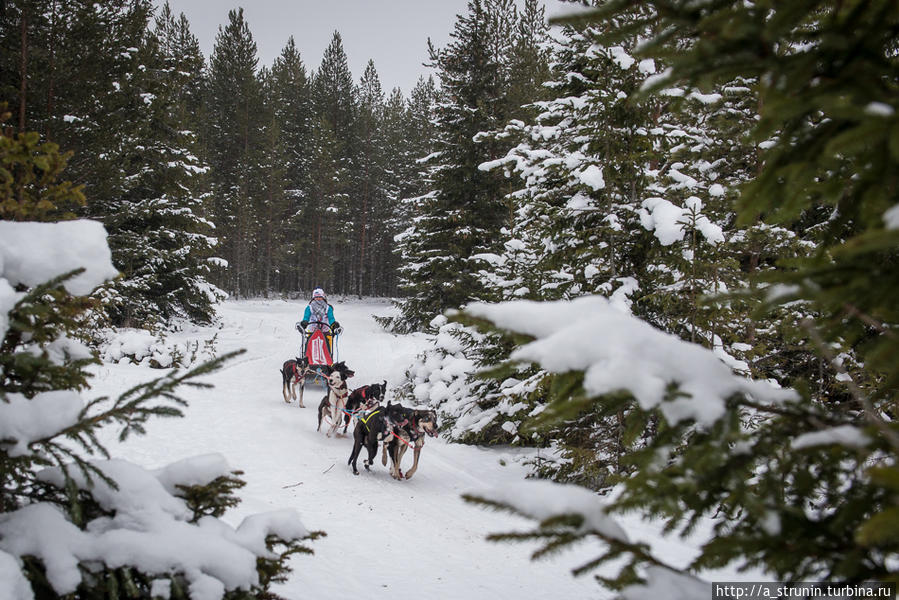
319,344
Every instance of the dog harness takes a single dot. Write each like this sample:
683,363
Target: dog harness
369,416
296,371
341,391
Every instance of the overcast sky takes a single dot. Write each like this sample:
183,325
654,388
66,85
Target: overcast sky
394,33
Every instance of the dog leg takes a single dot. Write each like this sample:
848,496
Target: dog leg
391,449
336,416
322,408
400,453
384,454
285,378
333,427
302,385
333,403
357,446
372,451
416,452
394,462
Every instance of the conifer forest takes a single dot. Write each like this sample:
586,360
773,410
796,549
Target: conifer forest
648,251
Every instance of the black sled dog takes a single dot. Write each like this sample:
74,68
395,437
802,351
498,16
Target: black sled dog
292,373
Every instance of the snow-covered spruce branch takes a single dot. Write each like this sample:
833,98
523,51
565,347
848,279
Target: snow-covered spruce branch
561,529
793,466
130,411
864,402
73,525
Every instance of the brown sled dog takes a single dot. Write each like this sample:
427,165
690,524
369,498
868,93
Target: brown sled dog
410,428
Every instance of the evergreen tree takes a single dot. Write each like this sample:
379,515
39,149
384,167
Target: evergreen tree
337,204
105,515
293,110
463,213
817,469
159,238
234,132
399,174
371,173
320,220
125,106
529,60
272,201
27,168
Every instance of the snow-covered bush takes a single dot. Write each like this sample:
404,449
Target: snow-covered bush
163,350
472,409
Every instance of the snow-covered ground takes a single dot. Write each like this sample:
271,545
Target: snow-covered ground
385,539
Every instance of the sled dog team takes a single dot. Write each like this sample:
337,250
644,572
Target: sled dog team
394,426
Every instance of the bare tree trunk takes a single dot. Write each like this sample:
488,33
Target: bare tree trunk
52,77
267,260
23,66
361,277
316,254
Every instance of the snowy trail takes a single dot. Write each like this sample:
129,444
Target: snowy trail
385,539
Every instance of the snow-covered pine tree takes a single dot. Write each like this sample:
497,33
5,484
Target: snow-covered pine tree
116,102
528,61
644,239
159,238
334,204
802,486
398,163
74,521
292,103
408,137
44,81
272,204
234,95
462,214
566,233
181,50
370,176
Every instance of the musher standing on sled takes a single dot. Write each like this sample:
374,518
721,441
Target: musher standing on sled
318,312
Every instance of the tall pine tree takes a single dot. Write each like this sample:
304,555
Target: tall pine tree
234,96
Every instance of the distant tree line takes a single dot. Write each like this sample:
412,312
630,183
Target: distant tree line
215,175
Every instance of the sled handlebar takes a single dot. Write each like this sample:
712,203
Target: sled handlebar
302,330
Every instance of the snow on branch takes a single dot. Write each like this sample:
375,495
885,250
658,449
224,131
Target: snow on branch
33,253
147,528
543,499
24,421
617,352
